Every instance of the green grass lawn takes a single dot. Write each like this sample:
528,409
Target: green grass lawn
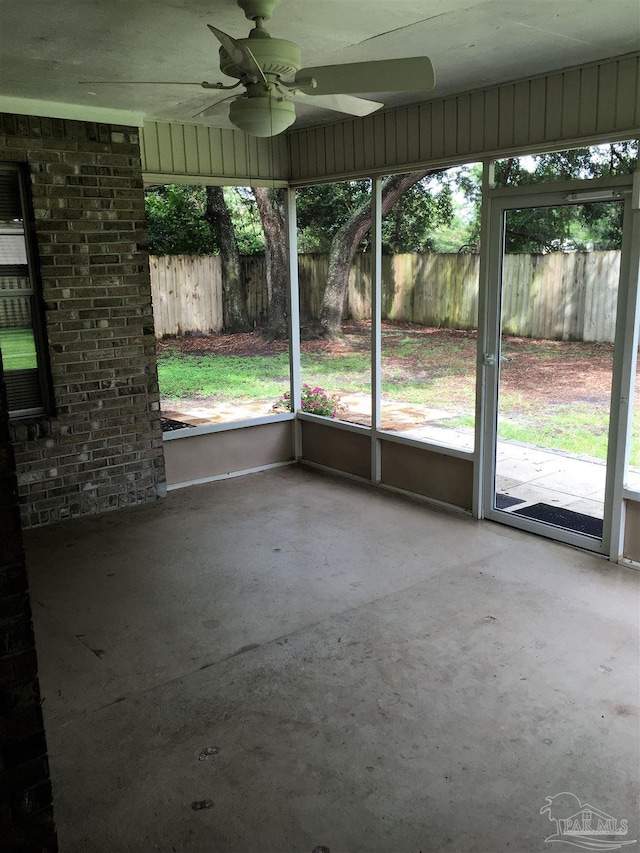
18,349
223,377
227,377
576,428
349,372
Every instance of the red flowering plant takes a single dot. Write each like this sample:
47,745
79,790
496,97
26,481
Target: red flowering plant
316,401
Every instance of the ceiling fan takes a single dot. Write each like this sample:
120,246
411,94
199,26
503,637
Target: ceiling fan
270,70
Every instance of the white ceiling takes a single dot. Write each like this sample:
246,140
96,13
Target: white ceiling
48,46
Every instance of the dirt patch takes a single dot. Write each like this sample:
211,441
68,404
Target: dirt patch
558,371
241,344
356,338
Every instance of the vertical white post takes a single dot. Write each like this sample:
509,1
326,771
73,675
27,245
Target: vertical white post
488,172
376,321
294,316
624,372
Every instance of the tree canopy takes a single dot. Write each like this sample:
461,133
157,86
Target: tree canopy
176,221
178,225
410,226
176,216
566,228
321,211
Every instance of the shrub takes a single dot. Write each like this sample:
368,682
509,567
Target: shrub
316,401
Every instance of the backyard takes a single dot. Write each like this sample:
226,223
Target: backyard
553,393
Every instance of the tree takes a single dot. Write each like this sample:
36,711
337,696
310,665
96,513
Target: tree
322,209
176,221
233,286
408,227
410,224
245,216
467,213
344,245
563,228
271,206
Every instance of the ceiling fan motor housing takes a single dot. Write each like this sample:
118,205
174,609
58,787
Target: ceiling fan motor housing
275,56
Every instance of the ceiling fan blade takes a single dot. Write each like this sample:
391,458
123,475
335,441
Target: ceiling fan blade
220,120
413,74
138,83
186,111
339,103
198,110
239,53
220,108
229,44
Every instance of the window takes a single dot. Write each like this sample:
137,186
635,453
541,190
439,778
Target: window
220,319
21,329
430,275
334,277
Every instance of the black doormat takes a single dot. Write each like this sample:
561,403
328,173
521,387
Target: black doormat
561,517
505,501
168,424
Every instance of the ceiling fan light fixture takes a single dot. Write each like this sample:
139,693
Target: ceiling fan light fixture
262,116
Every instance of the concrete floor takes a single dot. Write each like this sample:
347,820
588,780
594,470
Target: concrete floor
322,664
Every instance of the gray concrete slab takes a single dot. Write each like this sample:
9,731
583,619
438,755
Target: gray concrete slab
558,479
369,674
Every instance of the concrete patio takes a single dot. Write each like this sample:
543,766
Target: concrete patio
289,662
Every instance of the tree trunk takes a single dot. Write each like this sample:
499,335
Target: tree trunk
233,288
345,244
271,207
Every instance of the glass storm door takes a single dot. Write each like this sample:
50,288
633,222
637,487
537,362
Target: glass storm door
554,266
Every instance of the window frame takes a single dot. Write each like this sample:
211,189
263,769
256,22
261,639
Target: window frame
44,406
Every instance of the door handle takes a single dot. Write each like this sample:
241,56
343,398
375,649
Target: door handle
489,359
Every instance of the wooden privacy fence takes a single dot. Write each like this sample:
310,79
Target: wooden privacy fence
568,297
558,296
186,291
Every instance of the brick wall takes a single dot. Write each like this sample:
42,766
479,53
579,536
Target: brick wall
103,447
26,813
